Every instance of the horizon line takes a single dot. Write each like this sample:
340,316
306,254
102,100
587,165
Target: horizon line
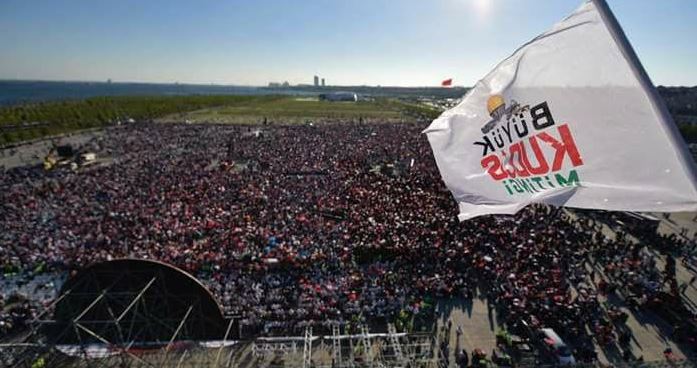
109,81
260,86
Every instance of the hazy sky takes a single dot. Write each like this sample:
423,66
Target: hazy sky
252,42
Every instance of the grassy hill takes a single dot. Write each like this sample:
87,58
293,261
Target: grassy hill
24,122
295,109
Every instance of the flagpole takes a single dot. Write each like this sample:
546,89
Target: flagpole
657,103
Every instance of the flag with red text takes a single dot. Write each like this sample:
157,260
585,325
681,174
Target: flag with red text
566,120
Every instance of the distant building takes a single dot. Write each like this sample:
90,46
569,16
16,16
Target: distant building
322,82
316,81
279,85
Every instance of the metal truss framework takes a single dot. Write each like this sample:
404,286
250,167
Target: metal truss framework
391,349
364,349
133,300
307,349
44,344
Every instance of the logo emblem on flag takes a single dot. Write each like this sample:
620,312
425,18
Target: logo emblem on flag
496,106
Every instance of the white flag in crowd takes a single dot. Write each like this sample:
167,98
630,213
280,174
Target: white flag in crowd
569,119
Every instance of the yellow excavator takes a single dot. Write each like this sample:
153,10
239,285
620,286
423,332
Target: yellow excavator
50,160
56,155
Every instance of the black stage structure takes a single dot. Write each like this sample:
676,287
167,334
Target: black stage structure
132,312
134,300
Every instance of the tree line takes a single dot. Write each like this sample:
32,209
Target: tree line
25,122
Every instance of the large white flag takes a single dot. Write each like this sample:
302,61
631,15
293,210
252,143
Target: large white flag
569,119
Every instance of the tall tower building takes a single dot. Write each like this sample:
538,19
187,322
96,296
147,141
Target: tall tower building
322,82
316,81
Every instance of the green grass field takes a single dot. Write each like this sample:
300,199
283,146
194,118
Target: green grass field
25,122
295,109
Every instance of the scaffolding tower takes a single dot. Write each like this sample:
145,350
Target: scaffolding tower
336,345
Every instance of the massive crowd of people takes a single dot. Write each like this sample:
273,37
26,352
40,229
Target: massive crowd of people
311,224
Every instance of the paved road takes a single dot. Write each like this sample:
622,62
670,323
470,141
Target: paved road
681,223
478,325
650,332
33,153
